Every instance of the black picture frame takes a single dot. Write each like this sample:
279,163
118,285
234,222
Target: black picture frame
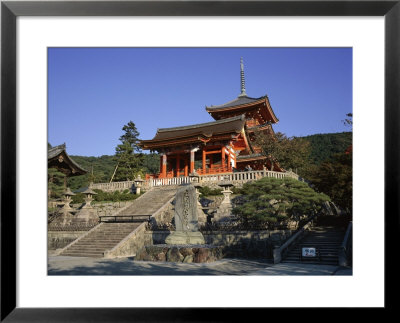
10,10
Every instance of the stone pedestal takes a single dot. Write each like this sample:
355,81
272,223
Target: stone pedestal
224,212
185,254
185,237
87,215
186,218
88,201
202,217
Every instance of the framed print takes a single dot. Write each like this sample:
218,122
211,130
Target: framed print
30,28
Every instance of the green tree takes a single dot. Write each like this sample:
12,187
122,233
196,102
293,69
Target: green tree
127,154
349,120
270,201
131,136
151,163
289,152
55,183
335,178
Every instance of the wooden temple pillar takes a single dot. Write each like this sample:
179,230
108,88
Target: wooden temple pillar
186,167
223,157
163,165
204,161
192,160
177,166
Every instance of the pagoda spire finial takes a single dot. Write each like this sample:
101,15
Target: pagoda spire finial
242,83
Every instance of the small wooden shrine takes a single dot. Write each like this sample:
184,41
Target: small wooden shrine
220,146
58,158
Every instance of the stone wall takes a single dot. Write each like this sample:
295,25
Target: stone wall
60,239
106,208
236,243
131,245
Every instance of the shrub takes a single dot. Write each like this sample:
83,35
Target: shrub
206,191
271,201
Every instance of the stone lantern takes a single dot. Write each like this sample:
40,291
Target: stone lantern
67,199
194,177
226,185
89,198
138,184
195,181
224,212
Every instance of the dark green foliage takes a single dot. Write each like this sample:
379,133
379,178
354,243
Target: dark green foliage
151,163
55,183
270,201
288,152
131,136
102,168
237,190
127,155
78,198
335,178
206,191
102,196
324,146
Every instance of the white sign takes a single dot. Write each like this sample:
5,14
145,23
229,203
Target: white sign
309,252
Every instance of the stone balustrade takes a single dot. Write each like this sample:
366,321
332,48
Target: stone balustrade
237,179
114,186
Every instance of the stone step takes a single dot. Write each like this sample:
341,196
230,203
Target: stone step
107,239
326,240
89,250
97,245
109,234
332,263
89,255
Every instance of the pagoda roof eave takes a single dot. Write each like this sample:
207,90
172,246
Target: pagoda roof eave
60,150
239,104
199,132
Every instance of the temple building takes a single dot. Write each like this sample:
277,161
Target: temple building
220,146
58,158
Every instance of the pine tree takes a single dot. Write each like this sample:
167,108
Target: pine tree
270,201
335,178
55,183
289,152
128,154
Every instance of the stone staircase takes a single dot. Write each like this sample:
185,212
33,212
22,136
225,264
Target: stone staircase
103,238
108,234
327,240
150,202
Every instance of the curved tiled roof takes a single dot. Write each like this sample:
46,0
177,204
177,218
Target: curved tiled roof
241,104
236,102
53,152
234,124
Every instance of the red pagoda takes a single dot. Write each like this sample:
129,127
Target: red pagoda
220,146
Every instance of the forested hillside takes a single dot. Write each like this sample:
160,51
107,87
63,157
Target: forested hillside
323,147
100,169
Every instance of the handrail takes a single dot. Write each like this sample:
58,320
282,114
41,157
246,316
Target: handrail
344,248
277,252
59,252
133,218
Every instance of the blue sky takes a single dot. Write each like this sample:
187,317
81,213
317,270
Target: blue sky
93,92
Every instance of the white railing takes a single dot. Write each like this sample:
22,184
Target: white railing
113,186
238,178
167,181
